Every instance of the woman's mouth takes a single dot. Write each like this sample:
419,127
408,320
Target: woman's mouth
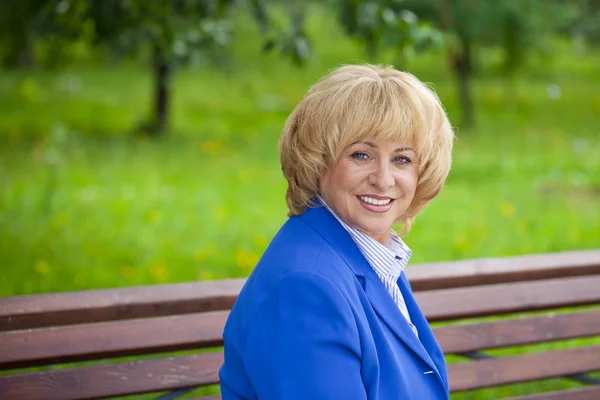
376,204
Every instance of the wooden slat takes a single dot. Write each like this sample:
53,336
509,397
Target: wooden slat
190,371
523,368
26,348
585,393
521,331
114,380
45,346
487,271
35,311
450,304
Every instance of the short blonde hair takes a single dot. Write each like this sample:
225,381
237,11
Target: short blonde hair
358,102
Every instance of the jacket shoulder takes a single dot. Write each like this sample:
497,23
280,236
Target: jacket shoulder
296,248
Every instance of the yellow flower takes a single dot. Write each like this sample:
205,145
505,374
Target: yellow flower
204,275
201,254
42,267
507,209
245,176
261,242
245,259
60,220
79,281
523,228
221,213
159,272
153,217
210,147
574,235
461,243
127,272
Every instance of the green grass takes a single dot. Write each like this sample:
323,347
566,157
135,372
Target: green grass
87,202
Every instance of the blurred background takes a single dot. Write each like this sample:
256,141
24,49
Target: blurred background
138,139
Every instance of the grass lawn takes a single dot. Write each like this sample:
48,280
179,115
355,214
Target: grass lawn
87,202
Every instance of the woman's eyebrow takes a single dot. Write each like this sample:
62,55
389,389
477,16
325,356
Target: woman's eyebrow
398,150
370,144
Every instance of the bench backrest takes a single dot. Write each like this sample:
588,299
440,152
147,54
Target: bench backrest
53,329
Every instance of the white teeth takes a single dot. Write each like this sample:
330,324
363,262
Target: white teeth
376,202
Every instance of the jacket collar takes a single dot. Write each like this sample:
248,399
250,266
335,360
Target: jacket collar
326,225
389,261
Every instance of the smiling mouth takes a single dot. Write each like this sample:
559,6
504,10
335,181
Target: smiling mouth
374,201
376,205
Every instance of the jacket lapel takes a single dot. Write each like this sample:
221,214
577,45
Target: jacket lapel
426,336
388,311
330,229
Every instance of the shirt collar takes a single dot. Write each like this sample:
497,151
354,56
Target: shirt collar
387,261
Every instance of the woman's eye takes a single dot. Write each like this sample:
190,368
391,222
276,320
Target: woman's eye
402,160
360,156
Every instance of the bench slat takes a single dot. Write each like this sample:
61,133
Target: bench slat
523,368
28,348
36,311
504,333
438,305
450,304
487,271
197,370
102,381
585,393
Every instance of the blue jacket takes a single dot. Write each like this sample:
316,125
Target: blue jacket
314,322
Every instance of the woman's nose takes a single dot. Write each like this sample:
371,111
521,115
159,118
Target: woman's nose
382,177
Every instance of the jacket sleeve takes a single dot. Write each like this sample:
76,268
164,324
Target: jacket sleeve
304,343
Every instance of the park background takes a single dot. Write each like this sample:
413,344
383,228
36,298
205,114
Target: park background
113,173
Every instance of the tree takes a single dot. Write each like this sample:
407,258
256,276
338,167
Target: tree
173,32
517,26
21,25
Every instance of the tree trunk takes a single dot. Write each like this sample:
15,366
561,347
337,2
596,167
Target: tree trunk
463,69
20,53
460,61
27,57
162,95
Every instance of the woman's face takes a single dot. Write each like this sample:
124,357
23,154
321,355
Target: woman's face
372,185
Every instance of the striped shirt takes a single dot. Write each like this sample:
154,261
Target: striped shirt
388,261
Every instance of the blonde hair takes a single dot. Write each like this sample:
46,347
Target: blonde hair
358,102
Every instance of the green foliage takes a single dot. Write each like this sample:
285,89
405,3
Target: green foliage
291,38
519,27
381,24
180,31
19,23
586,24
175,30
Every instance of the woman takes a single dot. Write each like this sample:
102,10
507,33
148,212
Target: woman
328,312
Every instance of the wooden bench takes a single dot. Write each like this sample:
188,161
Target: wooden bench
101,325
